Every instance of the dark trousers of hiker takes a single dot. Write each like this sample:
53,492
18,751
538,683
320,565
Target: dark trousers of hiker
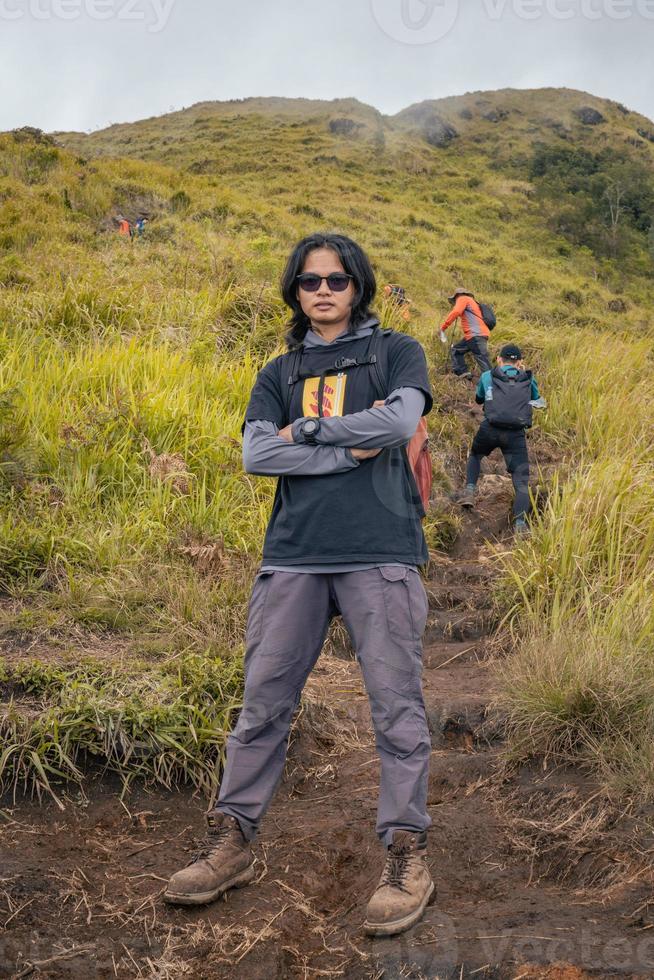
385,612
513,443
478,347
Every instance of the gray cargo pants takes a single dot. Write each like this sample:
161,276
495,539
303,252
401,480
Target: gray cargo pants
385,612
478,347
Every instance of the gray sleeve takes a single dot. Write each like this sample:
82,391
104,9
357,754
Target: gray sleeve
266,454
376,428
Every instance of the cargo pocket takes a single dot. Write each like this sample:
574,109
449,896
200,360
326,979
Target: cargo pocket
257,607
419,602
405,602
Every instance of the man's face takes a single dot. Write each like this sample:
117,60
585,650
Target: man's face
325,307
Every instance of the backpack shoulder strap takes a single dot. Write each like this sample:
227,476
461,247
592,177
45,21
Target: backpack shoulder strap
291,370
379,360
373,358
520,377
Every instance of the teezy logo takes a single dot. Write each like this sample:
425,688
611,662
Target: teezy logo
416,21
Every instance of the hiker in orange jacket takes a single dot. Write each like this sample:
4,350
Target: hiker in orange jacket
475,333
124,227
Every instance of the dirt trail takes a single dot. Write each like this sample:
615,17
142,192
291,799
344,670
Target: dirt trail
91,878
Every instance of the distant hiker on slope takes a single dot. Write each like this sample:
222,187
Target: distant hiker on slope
397,295
345,536
124,227
139,228
508,394
475,333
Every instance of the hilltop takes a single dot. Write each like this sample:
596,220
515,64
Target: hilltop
508,118
471,170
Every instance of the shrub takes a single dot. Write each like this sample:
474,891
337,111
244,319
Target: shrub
180,202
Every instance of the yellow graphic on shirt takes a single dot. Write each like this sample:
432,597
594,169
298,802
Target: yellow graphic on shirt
333,396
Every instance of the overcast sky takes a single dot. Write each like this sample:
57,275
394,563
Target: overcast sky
83,64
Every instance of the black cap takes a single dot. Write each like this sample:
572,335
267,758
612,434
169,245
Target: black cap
510,352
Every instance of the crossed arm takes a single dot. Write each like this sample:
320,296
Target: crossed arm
342,440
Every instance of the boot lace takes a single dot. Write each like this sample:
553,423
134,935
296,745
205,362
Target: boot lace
397,867
214,838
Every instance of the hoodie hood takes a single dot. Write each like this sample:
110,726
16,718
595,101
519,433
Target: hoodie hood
364,329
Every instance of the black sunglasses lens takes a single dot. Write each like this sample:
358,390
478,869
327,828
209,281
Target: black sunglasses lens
339,282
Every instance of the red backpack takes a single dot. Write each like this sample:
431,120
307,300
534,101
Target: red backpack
420,461
418,448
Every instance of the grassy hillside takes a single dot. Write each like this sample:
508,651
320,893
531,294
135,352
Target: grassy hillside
128,532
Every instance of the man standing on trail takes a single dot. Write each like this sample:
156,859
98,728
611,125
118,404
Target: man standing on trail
345,536
475,333
508,395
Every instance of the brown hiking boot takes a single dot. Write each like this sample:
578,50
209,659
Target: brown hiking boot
224,860
405,888
467,498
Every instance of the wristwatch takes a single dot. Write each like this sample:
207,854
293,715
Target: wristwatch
310,429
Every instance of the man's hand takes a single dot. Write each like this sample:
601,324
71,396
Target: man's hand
365,453
286,433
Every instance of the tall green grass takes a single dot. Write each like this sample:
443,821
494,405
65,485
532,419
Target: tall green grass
580,595
167,725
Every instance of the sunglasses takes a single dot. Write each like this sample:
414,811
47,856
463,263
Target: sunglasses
311,282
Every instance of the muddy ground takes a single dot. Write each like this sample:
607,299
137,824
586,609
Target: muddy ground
536,876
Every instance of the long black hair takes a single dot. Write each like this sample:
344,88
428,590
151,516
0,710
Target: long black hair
355,262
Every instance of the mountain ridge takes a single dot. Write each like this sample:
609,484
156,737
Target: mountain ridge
253,103
503,127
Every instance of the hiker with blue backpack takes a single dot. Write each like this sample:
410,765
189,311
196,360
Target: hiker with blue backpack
508,393
477,321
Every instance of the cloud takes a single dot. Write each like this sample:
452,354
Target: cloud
82,64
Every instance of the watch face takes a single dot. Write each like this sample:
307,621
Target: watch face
310,426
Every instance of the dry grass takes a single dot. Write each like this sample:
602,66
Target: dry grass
575,834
